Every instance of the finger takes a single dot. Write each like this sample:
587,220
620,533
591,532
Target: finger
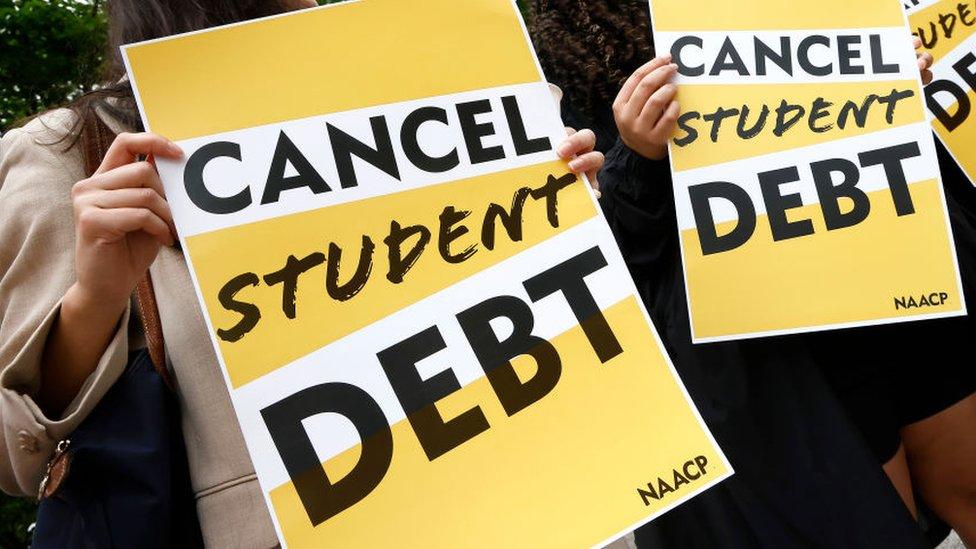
916,42
647,87
121,221
656,105
135,198
580,142
128,146
927,77
925,61
139,174
664,128
625,93
594,184
589,162
569,131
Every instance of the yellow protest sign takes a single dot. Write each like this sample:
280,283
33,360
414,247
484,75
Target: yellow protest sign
807,188
427,331
946,29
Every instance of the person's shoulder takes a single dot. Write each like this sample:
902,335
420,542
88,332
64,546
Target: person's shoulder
43,144
50,130
38,165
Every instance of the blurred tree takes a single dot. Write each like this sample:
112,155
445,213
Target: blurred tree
16,515
50,51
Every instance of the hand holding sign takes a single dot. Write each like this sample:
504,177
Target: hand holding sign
925,61
646,110
122,217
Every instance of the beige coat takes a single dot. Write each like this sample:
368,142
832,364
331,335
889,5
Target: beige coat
37,236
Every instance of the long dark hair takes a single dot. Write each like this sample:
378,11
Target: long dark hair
590,47
137,20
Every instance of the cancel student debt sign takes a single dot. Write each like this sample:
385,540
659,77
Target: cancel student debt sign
428,333
947,30
806,184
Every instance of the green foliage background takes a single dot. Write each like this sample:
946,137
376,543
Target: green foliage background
50,51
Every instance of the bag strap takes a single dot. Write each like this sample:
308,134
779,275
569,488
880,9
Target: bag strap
96,138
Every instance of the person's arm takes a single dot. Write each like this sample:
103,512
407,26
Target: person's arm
121,220
638,199
638,202
58,354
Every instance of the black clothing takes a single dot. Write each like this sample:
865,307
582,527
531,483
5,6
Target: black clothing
804,477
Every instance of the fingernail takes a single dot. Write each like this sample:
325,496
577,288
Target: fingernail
175,149
673,66
575,165
564,150
666,57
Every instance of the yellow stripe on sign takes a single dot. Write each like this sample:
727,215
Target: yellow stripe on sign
718,15
926,24
961,141
264,247
845,275
503,489
312,63
730,145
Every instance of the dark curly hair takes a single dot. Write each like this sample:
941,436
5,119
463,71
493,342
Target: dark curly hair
590,47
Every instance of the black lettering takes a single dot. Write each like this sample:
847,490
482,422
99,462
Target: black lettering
322,498
878,66
783,58
960,97
728,59
648,495
892,99
568,278
411,144
400,265
419,397
691,134
830,193
345,146
345,292
701,462
474,133
818,111
523,145
550,192
678,46
803,55
891,159
716,119
449,233
511,219
701,195
777,204
846,53
286,152
196,188
250,313
288,278
860,113
495,355
782,123
756,128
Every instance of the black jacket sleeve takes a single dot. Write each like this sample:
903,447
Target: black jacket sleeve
638,202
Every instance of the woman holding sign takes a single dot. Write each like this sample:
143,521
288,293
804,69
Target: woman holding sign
80,230
776,374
